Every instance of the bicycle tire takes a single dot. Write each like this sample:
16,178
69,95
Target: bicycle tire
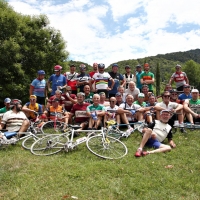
27,143
49,145
52,127
114,149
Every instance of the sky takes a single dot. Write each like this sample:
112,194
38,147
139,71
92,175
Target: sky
108,31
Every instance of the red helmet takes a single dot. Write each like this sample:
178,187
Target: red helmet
57,68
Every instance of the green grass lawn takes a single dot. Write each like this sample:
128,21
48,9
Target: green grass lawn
81,175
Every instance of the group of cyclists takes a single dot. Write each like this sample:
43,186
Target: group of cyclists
91,99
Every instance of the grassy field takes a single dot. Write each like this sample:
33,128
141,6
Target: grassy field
81,175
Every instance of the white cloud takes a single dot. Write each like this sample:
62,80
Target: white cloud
92,37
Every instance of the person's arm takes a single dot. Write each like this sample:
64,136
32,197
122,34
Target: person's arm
187,109
170,141
1,126
31,90
149,81
49,86
171,80
123,81
112,84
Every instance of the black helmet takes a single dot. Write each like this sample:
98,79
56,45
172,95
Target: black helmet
101,65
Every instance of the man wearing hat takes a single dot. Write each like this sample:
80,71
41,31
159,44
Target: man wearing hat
101,79
38,88
186,93
192,107
118,79
7,105
56,81
32,107
154,134
179,77
128,76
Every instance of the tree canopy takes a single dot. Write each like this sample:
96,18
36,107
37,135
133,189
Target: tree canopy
27,44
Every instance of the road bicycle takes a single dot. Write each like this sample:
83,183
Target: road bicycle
106,147
55,126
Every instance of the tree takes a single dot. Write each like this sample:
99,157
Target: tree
27,44
192,69
157,79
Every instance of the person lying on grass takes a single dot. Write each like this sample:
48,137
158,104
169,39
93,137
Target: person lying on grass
156,133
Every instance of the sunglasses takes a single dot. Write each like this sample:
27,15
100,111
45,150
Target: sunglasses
186,87
166,96
32,99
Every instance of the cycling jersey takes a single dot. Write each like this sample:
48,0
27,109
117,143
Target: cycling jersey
179,78
101,80
38,87
117,78
92,108
195,105
36,107
57,81
71,79
147,76
138,103
79,110
67,102
128,79
82,78
138,82
53,111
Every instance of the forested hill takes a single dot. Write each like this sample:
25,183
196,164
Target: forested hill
182,56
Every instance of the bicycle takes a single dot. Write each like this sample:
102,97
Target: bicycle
53,144
55,126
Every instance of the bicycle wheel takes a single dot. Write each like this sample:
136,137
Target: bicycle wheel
110,148
49,145
52,127
27,143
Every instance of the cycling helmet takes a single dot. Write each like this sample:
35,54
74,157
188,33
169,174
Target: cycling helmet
57,68
41,72
173,91
82,67
101,65
15,102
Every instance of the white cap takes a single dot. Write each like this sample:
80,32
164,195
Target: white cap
194,90
166,110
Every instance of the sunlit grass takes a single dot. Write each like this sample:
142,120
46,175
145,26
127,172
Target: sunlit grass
85,176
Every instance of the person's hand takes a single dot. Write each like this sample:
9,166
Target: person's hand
133,112
94,116
108,88
50,90
172,144
67,94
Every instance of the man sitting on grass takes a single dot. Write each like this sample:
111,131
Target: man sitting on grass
96,112
156,133
79,111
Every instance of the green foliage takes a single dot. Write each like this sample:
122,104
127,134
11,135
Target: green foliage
157,77
27,44
192,70
87,177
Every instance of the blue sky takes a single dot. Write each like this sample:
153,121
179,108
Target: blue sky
109,31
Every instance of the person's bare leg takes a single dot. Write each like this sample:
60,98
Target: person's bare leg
162,148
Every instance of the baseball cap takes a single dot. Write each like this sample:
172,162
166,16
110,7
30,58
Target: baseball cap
32,97
194,90
7,100
115,65
72,65
118,94
127,67
138,66
186,85
141,95
173,91
162,111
